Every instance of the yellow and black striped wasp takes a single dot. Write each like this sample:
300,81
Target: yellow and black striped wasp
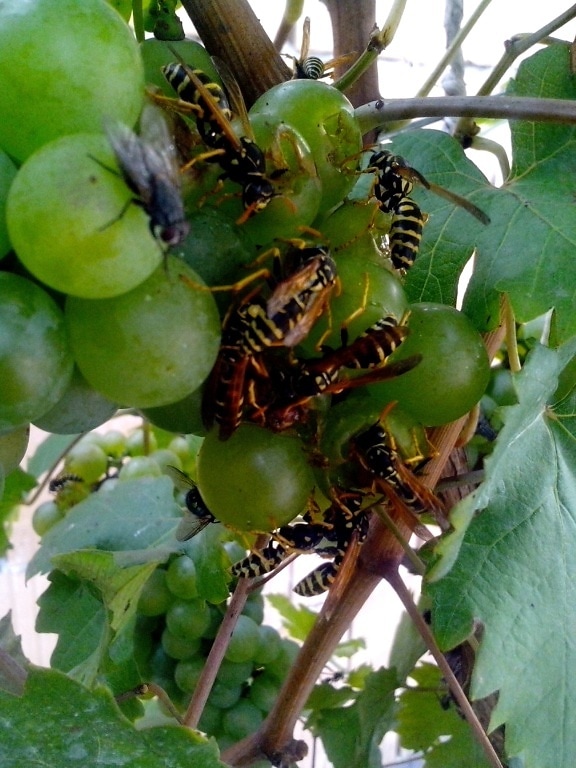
149,168
328,535
312,67
240,158
394,181
197,516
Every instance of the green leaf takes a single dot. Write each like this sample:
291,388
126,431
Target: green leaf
207,552
450,233
60,723
351,735
135,516
14,663
527,251
16,485
438,732
298,620
49,452
514,570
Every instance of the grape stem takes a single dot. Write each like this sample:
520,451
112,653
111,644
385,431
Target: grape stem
382,112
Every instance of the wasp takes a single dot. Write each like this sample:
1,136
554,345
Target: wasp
258,324
241,159
311,67
380,461
322,376
328,537
395,180
148,165
198,516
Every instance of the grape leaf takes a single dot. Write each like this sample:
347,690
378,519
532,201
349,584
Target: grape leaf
57,722
351,735
438,732
207,552
135,515
49,452
16,484
450,233
513,569
13,662
528,249
297,619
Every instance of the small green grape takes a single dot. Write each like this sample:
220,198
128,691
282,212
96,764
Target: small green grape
155,598
45,516
234,673
181,577
244,640
178,648
86,460
264,692
139,466
241,719
187,673
188,618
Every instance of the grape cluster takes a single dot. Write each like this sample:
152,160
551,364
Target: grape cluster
229,275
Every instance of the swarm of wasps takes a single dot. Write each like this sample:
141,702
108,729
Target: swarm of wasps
257,377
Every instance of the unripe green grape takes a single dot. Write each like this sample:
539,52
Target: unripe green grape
45,516
178,648
86,460
151,346
282,663
141,442
64,67
155,598
180,446
113,443
165,458
7,173
453,373
254,607
35,358
244,640
234,673
13,445
188,618
187,673
241,719
139,466
72,224
183,416
325,119
80,409
181,577
216,616
255,480
211,719
269,645
224,696
264,692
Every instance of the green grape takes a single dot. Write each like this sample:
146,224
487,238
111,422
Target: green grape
80,409
180,446
244,640
139,466
282,663
269,645
35,359
233,673
211,719
187,673
241,719
181,577
7,174
178,648
64,67
453,373
255,480
45,516
155,598
325,119
216,615
298,187
141,442
71,223
165,458
151,346
501,387
158,53
254,607
13,445
188,618
86,460
264,692
224,696
184,416
113,443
